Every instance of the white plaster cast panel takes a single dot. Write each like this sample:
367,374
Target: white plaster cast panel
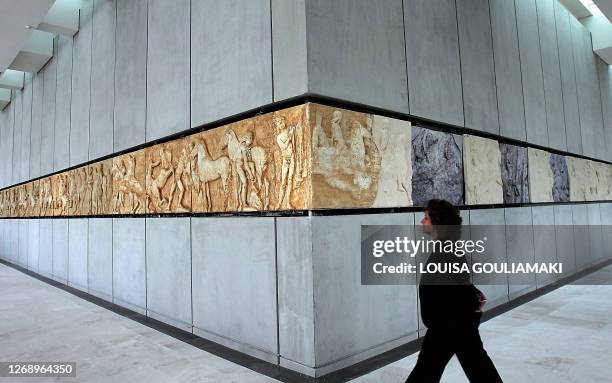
482,167
541,178
578,178
393,139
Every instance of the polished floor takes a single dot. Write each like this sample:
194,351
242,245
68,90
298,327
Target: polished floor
563,336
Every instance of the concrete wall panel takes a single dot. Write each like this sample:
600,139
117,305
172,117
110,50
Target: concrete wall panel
31,127
544,240
63,101
605,83
169,271
47,135
240,311
595,233
434,68
564,232
81,88
231,58
531,70
553,92
477,66
167,68
77,253
519,248
18,132
45,260
24,239
507,69
100,258
582,245
60,250
129,273
568,79
131,74
350,57
33,244
102,78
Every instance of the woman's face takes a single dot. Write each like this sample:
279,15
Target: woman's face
427,225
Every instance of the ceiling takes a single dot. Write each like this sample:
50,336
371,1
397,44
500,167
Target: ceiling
14,16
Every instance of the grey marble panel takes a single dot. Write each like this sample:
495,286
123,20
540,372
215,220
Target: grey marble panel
102,78
289,61
551,74
582,242
605,83
477,66
514,173
490,223
24,239
437,167
234,283
384,316
531,70
520,248
544,241
60,249
77,253
564,233
168,252
432,54
100,258
17,136
231,58
167,74
63,101
129,272
595,233
130,74
33,244
295,290
81,87
45,260
558,164
507,70
568,79
47,135
31,127
350,57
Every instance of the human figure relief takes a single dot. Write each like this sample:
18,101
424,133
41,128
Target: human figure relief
235,151
182,168
96,189
337,140
136,191
357,148
156,184
207,170
285,142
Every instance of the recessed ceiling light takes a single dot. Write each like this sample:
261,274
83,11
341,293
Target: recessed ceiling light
29,27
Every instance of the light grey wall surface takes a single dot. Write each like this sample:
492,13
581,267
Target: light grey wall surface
531,71
596,252
351,57
60,249
81,88
45,245
100,257
168,53
31,125
582,245
553,92
63,102
289,56
129,264
519,248
544,240
235,257
168,268
477,66
102,78
46,149
605,83
18,133
33,244
130,74
231,62
508,69
432,54
564,234
77,253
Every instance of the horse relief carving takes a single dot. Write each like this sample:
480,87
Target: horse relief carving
168,178
129,194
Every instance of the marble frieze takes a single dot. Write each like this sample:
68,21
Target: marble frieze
514,173
482,166
558,165
541,178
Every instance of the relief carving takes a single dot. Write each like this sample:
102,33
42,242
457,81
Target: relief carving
128,185
60,194
100,184
482,166
46,197
541,177
168,178
79,191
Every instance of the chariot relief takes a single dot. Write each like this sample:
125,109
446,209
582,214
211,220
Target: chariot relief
168,177
129,193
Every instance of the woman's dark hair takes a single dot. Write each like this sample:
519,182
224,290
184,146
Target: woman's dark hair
446,217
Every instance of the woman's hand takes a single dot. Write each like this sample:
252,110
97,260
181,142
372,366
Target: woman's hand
482,300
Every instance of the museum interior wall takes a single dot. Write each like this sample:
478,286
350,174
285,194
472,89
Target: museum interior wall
135,165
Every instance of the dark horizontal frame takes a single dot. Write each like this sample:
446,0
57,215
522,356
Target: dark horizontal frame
281,373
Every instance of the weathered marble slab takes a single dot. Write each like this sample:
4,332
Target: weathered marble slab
541,178
514,173
437,167
359,160
604,181
560,191
579,178
482,166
